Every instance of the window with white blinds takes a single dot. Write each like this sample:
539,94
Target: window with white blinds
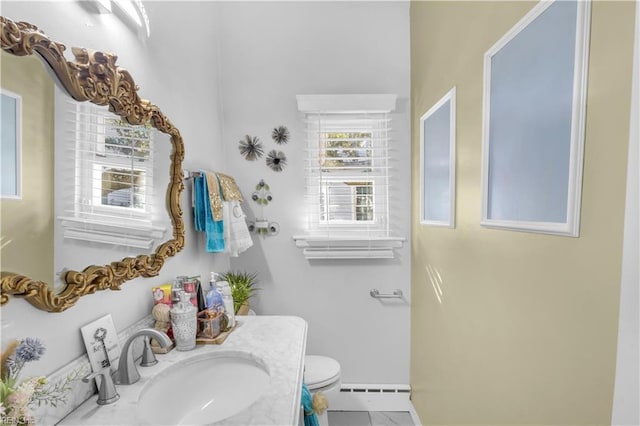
110,195
347,176
347,173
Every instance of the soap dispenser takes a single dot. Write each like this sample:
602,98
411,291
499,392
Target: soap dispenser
213,299
227,299
184,322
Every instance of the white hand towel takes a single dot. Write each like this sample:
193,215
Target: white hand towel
236,233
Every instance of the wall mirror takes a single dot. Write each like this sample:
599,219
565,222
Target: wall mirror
534,118
93,78
438,163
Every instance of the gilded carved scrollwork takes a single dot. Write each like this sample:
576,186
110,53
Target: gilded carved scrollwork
94,77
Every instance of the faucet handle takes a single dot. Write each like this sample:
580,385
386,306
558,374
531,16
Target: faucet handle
107,393
148,357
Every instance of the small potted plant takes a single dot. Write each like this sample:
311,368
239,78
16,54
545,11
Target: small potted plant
242,288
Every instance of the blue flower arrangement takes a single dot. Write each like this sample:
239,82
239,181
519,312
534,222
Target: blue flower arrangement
17,397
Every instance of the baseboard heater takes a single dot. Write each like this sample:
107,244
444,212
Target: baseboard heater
372,397
375,389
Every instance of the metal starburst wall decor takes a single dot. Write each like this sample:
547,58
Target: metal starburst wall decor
280,135
251,148
276,160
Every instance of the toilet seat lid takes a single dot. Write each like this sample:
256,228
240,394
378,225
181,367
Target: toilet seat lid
320,371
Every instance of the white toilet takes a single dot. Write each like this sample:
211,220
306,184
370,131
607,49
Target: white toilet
322,374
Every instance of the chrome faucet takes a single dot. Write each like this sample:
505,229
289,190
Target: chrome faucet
107,393
127,373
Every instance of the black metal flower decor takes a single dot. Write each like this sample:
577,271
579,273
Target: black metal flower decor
251,148
276,160
280,135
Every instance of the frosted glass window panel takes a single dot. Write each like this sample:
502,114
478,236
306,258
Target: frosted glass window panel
436,165
10,111
437,171
534,121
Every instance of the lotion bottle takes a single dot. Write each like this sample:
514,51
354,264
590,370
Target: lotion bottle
227,299
214,300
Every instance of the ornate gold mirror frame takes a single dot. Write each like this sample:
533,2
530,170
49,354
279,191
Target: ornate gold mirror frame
94,77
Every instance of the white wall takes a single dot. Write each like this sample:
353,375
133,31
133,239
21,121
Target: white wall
270,52
241,65
626,392
175,70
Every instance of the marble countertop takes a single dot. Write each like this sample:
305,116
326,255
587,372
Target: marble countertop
278,341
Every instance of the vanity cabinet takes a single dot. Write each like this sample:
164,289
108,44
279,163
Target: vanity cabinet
277,342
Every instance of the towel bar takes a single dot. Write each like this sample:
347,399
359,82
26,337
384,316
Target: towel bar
188,174
397,294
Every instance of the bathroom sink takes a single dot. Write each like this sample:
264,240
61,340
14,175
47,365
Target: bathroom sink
204,389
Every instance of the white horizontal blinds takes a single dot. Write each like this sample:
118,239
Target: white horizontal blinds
347,174
113,166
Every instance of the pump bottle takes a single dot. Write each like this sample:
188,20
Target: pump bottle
227,299
213,299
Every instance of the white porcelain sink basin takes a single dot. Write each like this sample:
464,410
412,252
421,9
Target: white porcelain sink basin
203,389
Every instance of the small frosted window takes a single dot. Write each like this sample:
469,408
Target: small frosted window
10,109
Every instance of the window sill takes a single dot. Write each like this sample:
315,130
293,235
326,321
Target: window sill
323,247
127,235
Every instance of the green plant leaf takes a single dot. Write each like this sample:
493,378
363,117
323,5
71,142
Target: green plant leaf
242,286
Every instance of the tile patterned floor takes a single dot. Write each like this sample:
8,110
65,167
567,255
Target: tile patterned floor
370,418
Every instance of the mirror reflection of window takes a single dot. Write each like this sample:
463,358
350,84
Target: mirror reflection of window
109,190
127,163
114,166
122,187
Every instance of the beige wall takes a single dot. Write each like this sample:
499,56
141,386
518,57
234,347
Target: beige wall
27,224
525,332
